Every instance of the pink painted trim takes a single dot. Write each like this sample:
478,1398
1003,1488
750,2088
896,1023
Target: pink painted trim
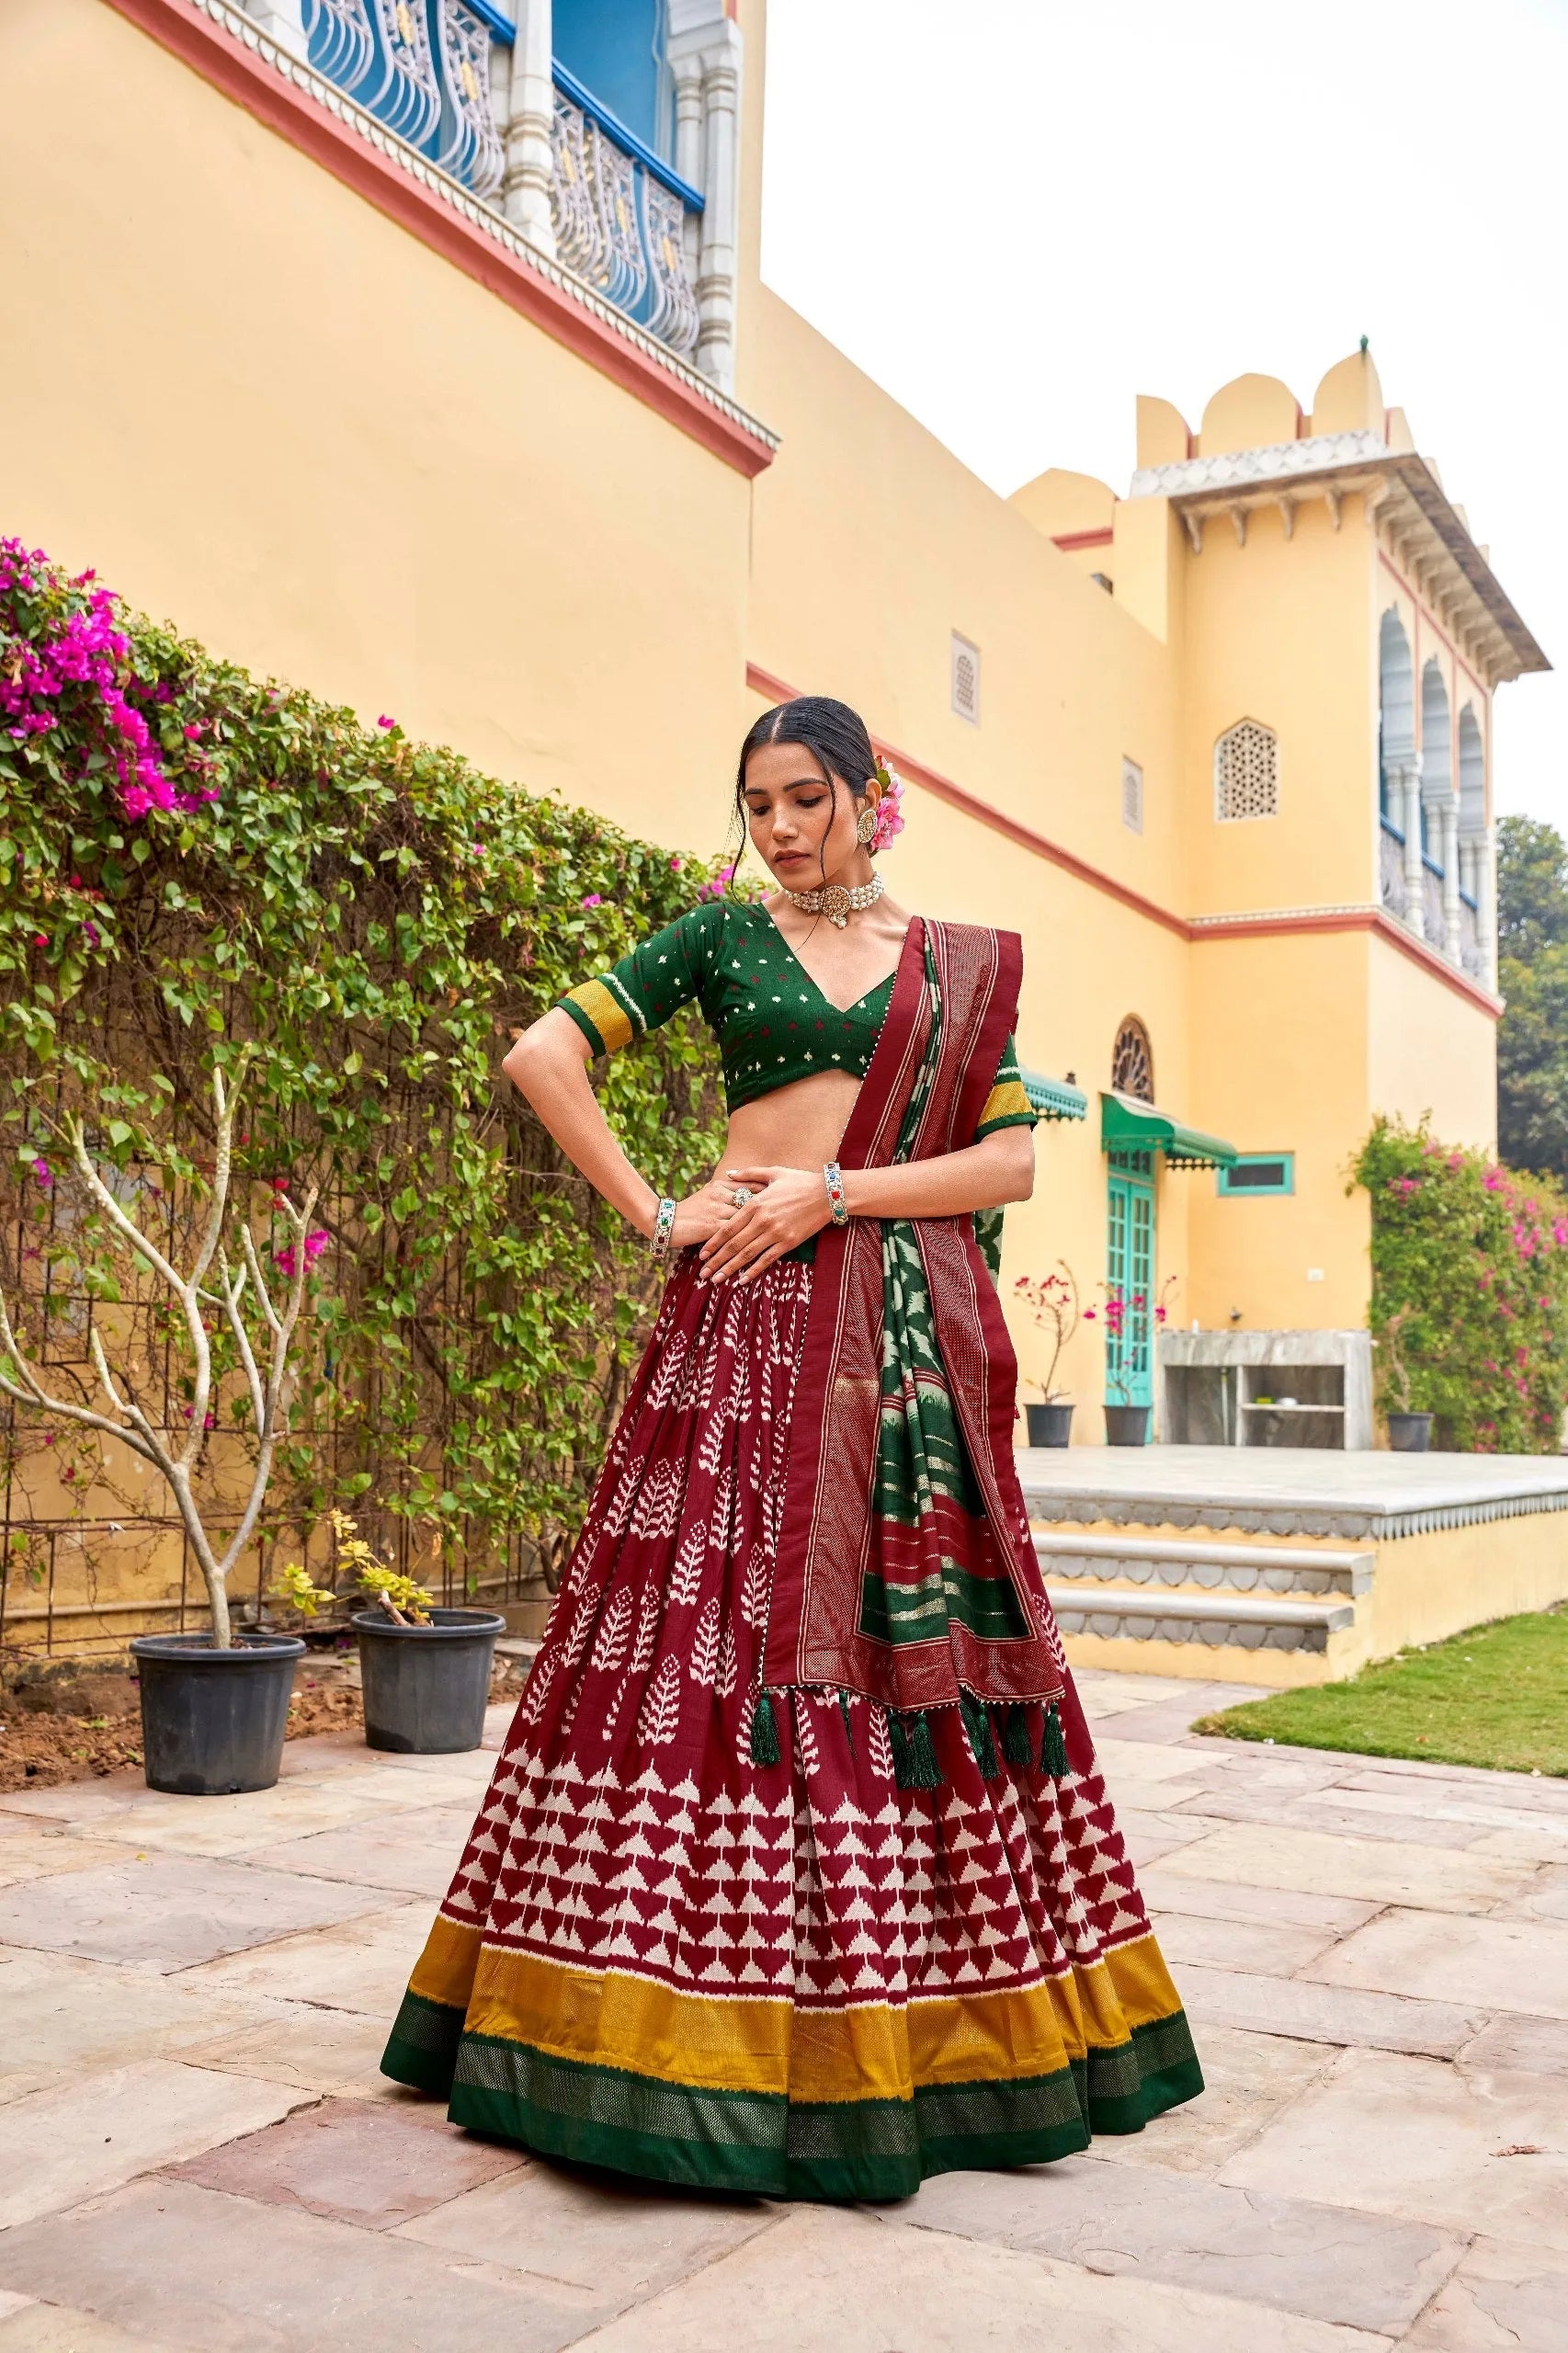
1374,920
1068,541
294,115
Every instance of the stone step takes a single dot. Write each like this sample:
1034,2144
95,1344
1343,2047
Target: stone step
1208,1562
1252,1621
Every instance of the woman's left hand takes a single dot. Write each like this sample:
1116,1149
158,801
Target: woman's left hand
789,1205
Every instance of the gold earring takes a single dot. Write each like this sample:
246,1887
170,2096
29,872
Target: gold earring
867,827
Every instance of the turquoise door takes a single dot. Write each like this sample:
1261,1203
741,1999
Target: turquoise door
1130,1271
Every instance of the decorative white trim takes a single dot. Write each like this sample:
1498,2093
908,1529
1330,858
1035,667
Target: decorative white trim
1275,462
479,215
1284,915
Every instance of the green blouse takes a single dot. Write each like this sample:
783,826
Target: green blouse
772,1022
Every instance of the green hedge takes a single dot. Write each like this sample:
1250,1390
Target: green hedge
1473,1258
191,859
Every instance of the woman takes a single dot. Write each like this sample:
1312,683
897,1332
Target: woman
796,1875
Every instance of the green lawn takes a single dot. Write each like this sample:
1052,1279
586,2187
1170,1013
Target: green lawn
1497,1695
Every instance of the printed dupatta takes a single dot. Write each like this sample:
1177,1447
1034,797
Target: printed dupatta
904,1566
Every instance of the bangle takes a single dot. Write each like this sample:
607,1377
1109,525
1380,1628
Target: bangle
836,1203
664,1226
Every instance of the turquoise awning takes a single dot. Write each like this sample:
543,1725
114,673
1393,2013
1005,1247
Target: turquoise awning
1052,1098
1126,1125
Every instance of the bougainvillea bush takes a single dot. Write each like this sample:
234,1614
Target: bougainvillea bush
1472,1260
193,862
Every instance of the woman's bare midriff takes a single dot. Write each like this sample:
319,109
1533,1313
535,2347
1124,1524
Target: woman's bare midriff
798,1126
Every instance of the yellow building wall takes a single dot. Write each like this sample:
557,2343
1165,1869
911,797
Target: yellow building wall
1280,1025
257,405
1277,631
1431,1052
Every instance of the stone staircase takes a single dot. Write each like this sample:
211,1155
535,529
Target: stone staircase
1202,1589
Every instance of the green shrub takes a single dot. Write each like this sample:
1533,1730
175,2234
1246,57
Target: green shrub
1469,1267
192,860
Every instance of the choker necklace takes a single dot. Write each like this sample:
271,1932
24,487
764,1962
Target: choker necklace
838,901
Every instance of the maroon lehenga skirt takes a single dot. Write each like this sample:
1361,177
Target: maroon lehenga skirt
825,1962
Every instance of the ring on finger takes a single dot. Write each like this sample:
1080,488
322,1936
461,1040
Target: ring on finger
741,1195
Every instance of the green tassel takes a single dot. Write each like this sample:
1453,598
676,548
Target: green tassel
977,1723
924,1773
898,1740
848,1727
1053,1746
764,1732
1017,1746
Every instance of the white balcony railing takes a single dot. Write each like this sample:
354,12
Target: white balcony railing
621,216
422,68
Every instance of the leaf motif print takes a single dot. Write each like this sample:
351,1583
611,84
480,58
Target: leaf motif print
805,1737
753,1592
619,1508
723,1511
647,1630
659,1717
666,1379
729,1662
582,1627
610,1645
882,1747
658,1506
703,1664
687,1575
710,1453
538,1691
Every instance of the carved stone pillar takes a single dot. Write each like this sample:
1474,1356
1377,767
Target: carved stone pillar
281,20
702,35
1487,905
1409,775
527,111
1449,818
686,72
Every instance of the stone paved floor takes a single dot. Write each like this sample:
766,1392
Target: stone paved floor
196,2149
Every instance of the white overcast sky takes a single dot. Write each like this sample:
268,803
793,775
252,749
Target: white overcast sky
1018,214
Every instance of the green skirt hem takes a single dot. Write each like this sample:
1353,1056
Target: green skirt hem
760,2144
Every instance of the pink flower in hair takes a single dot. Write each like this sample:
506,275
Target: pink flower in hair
889,809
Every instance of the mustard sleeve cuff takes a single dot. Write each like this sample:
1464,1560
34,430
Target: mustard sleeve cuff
599,1015
1007,1106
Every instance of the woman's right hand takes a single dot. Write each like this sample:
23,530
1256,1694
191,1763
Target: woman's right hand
702,1214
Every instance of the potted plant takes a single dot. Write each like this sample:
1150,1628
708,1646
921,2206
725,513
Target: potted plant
214,1705
424,1671
1125,1424
1054,1302
1409,1433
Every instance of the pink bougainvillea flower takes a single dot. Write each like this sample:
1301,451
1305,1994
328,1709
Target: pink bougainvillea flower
676,864
43,1175
316,1242
385,722
592,898
193,734
1493,1180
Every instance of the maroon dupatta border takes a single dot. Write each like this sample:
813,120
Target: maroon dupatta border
813,1635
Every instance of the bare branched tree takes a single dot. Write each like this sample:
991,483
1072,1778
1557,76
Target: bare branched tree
241,1295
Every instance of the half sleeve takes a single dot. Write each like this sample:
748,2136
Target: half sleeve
1007,1106
645,988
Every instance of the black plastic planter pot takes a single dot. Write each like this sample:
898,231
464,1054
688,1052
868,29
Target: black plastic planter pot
425,1687
1127,1424
1049,1425
1410,1433
213,1721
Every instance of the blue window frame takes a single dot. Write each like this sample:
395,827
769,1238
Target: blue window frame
1259,1171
